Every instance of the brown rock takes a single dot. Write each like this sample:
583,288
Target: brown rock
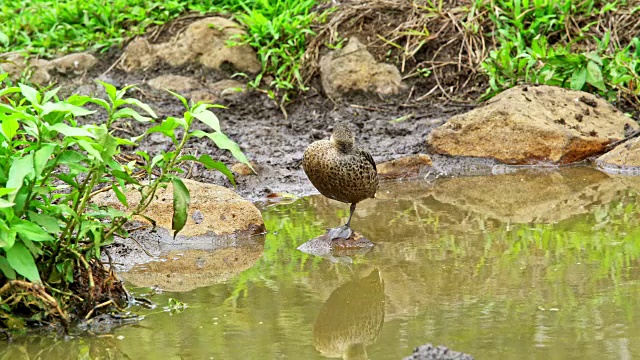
19,65
177,83
406,167
354,68
624,158
533,124
241,169
228,89
77,63
222,211
204,96
139,54
204,42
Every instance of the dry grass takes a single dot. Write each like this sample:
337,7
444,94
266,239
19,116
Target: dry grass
449,40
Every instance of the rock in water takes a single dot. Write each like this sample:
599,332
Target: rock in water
528,125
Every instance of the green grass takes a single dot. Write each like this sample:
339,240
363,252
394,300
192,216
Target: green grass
562,43
278,29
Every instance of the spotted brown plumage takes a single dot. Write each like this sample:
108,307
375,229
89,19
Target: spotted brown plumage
341,171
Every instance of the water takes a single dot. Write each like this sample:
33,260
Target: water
528,265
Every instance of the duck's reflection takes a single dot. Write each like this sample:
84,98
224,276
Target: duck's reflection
351,318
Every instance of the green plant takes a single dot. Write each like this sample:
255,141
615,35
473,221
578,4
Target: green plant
536,45
51,234
278,30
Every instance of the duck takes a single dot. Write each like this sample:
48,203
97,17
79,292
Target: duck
341,171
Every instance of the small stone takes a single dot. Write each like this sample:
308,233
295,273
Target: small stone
406,167
228,89
176,83
354,68
241,169
204,96
77,63
16,65
624,158
197,216
139,54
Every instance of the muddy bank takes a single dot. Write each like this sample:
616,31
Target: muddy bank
389,128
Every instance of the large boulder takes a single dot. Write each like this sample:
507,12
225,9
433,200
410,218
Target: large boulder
353,68
203,42
214,210
533,124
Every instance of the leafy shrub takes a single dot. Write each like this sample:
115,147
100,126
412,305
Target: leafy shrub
533,48
50,168
278,30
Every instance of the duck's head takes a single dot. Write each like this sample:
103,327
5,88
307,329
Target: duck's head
342,137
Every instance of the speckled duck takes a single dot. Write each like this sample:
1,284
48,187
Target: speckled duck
341,171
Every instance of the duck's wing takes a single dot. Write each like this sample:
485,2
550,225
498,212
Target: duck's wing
369,158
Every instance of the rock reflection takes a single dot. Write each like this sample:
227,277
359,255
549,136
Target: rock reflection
351,318
186,270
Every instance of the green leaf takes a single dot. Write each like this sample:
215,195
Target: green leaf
80,100
125,176
5,191
31,231
120,195
22,262
130,113
109,145
223,142
66,108
5,204
209,163
166,127
141,105
181,200
182,98
7,239
48,222
209,118
89,149
50,94
67,130
10,127
595,58
20,169
594,76
578,78
4,40
71,156
29,93
41,157
7,270
110,89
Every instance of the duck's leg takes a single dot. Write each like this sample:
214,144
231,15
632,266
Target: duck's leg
344,231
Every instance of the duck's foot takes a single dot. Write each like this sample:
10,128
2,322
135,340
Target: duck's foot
342,232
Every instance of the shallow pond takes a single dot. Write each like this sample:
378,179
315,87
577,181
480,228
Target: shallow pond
528,265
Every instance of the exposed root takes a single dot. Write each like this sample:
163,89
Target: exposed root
20,288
